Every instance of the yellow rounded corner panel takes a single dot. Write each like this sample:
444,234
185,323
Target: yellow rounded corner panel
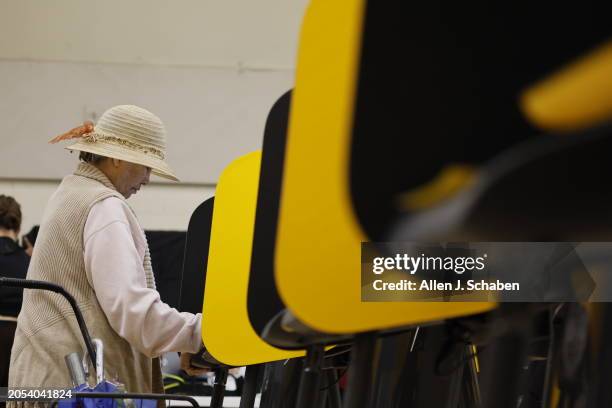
226,330
318,244
577,96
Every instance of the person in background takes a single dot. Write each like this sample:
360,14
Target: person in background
29,239
91,243
13,264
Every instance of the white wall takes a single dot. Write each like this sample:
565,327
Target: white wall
211,115
209,69
216,33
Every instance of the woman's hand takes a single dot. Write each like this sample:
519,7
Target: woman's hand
189,369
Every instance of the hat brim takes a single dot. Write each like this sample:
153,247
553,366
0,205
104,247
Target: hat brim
158,167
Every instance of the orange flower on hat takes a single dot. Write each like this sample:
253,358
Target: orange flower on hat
79,131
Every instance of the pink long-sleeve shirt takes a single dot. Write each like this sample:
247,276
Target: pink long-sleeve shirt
114,252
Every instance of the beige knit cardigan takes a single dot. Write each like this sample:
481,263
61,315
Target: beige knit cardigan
47,329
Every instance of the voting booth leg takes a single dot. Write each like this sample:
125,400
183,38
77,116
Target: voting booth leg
333,393
393,355
322,400
310,381
504,381
362,370
471,386
251,379
601,396
219,388
280,383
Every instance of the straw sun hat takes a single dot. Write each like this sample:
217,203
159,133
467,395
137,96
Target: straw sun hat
125,132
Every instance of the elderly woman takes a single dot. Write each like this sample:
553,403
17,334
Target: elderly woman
91,243
13,264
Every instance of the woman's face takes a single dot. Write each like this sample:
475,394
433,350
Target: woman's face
130,177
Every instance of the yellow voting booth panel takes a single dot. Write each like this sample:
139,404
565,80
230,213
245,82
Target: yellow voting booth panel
318,256
577,96
226,329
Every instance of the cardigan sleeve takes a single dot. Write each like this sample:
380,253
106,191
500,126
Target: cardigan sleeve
113,252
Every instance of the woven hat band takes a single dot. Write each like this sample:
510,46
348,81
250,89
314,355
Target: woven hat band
97,136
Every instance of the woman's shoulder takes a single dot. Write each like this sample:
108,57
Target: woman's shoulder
110,210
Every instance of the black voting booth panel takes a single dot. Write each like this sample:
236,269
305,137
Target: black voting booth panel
193,274
167,249
263,299
558,195
193,281
440,82
549,189
267,312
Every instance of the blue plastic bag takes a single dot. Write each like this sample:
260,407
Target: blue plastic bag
105,386
75,402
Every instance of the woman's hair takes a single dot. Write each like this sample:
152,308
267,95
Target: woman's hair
10,213
90,158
